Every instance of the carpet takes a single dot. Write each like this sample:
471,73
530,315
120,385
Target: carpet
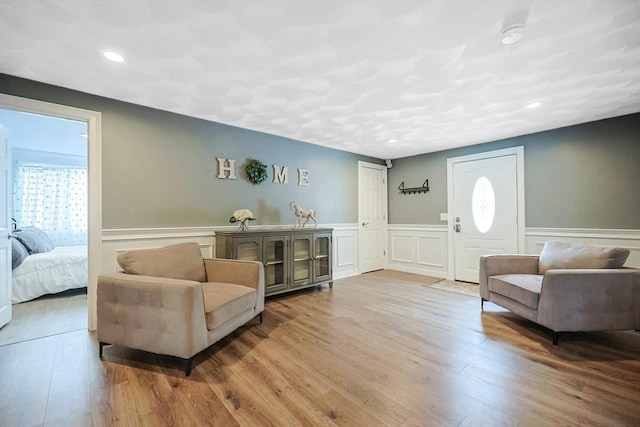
46,316
428,280
464,288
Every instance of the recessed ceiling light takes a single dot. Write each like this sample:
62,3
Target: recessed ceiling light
512,34
391,141
112,56
533,105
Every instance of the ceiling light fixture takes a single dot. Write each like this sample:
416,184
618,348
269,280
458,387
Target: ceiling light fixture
533,105
391,141
112,56
512,34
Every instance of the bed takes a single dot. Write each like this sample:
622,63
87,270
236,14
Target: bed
63,268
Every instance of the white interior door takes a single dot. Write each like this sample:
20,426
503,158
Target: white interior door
372,216
485,212
5,229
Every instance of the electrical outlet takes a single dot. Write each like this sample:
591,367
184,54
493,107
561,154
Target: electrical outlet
443,217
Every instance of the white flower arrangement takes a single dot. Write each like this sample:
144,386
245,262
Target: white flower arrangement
242,216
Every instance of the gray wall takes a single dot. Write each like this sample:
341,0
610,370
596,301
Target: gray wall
160,169
583,176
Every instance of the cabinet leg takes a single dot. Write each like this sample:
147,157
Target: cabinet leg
330,285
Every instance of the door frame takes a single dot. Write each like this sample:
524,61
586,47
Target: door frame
519,153
385,208
93,119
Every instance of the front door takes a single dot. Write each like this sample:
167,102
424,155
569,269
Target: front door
5,229
372,216
485,212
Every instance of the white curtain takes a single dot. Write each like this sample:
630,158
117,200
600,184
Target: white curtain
54,199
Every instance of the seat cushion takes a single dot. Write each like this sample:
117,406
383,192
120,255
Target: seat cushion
181,261
562,255
223,301
523,288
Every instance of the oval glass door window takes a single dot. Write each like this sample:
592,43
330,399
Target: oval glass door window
483,204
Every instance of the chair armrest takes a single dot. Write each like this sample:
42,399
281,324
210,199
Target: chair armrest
590,299
160,315
239,272
494,265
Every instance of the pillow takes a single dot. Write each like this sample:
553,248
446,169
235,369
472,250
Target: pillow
35,240
557,254
180,261
19,253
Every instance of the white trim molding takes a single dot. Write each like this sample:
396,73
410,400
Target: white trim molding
93,119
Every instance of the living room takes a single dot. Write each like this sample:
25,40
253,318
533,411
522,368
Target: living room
157,176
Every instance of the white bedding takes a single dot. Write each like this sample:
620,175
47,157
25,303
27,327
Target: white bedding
63,268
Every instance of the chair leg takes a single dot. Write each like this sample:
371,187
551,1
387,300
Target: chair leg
102,344
554,337
187,366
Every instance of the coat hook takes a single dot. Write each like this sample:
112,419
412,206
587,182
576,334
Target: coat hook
423,189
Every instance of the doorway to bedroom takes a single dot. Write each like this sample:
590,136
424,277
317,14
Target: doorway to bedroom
49,210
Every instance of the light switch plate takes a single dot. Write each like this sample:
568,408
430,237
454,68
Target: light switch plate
443,217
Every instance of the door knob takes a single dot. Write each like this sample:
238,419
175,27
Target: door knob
365,224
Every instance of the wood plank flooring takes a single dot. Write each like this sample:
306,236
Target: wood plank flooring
378,349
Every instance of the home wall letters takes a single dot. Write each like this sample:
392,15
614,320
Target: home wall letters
226,170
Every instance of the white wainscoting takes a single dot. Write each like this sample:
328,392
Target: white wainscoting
114,241
422,249
630,239
345,250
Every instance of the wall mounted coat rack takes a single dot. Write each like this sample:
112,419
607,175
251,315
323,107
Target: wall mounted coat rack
423,189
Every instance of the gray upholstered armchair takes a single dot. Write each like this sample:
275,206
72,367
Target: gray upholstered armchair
173,301
567,288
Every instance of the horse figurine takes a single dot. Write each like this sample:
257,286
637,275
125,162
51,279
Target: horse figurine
302,213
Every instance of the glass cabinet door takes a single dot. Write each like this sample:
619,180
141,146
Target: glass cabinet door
247,248
301,260
276,262
321,257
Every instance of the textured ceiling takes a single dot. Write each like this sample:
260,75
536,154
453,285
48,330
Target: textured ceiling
343,74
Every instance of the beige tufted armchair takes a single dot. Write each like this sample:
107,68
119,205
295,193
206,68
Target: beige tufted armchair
173,301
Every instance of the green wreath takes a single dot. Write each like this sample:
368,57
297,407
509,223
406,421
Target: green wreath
256,171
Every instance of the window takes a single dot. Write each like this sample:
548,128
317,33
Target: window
53,198
483,204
